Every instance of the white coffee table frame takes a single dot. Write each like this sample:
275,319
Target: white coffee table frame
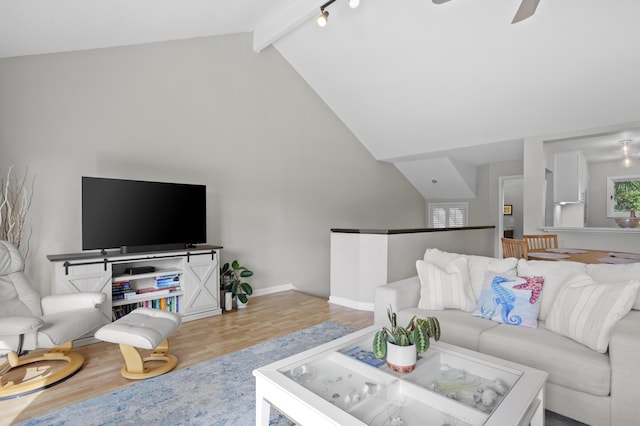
522,405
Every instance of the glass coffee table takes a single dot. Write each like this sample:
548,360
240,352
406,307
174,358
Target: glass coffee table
342,383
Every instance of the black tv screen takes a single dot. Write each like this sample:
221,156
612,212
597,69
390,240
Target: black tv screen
144,215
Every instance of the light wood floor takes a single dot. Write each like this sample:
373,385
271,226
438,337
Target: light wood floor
265,317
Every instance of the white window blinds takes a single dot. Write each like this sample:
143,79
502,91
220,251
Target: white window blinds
448,215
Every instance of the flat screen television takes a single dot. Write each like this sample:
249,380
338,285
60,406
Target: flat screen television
142,216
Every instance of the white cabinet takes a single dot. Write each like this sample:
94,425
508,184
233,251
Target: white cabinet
570,177
90,276
183,281
202,294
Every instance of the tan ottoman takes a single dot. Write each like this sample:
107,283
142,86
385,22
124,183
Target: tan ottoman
143,328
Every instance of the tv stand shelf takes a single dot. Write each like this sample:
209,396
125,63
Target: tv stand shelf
184,280
158,273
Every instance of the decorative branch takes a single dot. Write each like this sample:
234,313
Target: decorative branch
15,201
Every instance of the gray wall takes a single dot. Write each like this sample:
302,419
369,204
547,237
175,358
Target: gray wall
513,189
486,208
280,168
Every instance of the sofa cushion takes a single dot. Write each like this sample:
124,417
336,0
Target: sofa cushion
613,273
480,265
457,327
439,257
510,300
568,363
555,275
445,287
586,311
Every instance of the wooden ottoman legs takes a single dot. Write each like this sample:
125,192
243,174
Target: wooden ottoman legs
134,362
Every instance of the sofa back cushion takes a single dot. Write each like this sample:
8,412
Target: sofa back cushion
618,272
555,275
445,286
480,265
586,311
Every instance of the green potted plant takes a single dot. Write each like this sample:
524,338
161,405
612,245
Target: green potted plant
231,276
400,345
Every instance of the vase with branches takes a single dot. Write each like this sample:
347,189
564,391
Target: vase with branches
15,201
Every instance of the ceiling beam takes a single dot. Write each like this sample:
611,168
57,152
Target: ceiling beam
285,21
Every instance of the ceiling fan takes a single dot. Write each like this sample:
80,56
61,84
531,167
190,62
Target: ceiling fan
526,9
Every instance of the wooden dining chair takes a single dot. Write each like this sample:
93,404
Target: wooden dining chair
514,248
541,242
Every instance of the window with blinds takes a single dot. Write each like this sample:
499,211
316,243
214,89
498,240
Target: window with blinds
448,215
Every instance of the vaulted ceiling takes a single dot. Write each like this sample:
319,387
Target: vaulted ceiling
435,89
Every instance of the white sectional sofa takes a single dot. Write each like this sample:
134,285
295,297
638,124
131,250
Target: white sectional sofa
594,372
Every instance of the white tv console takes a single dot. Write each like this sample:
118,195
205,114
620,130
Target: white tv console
197,269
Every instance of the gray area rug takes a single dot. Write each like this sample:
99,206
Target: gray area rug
219,391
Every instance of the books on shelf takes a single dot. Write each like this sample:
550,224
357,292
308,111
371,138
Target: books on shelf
119,290
170,280
156,290
170,304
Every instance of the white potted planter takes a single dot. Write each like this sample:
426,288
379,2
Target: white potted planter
228,301
401,359
399,346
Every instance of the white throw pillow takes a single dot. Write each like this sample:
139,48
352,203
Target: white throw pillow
586,311
448,287
619,272
555,274
480,265
440,258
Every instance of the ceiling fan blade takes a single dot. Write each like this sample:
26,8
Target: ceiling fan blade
440,1
526,9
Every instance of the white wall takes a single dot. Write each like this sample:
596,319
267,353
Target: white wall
280,168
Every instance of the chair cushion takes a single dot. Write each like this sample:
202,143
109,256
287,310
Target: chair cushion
458,327
10,304
143,328
62,327
568,363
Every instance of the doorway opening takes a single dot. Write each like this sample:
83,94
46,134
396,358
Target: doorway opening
510,209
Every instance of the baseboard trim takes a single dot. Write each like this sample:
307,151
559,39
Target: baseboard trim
360,306
274,289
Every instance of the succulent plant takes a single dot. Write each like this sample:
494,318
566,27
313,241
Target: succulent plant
418,331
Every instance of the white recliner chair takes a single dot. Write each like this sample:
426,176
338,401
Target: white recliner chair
28,322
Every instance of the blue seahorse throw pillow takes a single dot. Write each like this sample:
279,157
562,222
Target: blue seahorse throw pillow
510,299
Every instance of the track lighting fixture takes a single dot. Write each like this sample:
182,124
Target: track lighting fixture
324,14
323,18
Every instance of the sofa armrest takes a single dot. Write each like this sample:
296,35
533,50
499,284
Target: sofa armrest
624,353
67,302
400,295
